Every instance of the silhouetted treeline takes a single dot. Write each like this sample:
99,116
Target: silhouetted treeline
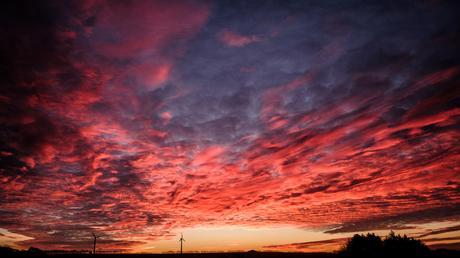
31,252
392,245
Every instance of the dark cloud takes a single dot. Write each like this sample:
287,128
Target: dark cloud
311,246
441,231
399,221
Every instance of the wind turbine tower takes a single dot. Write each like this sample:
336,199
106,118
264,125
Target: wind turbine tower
94,244
181,240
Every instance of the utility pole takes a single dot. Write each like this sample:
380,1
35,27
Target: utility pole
181,240
94,244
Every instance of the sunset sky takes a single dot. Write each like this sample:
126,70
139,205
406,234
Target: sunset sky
266,125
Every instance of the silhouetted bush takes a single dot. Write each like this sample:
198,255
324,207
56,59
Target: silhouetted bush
7,251
405,246
393,245
363,246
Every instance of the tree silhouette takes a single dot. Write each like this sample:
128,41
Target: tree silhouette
403,245
7,251
393,245
363,246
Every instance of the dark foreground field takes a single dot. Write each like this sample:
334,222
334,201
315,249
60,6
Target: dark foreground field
210,255
435,254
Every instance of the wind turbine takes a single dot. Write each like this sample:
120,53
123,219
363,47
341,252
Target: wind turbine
181,240
94,245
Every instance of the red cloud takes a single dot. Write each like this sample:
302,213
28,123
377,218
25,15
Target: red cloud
146,27
233,39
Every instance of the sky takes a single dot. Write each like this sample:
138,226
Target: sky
265,125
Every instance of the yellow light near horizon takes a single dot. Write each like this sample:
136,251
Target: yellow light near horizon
11,239
234,238
244,238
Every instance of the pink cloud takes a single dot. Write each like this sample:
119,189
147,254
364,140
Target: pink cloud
208,155
233,39
146,27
